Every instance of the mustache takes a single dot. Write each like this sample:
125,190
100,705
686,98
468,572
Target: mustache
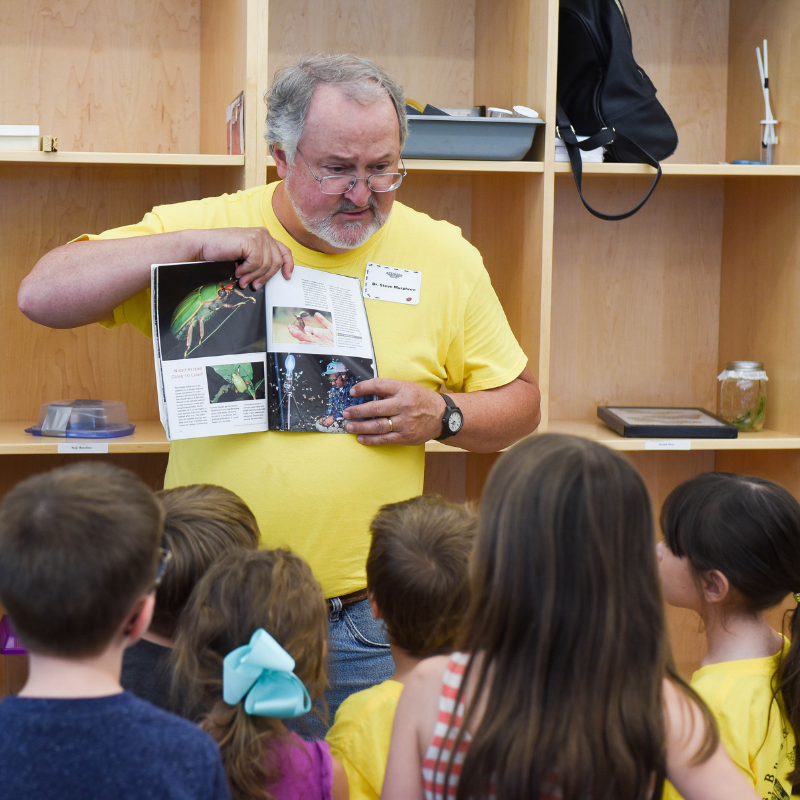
349,205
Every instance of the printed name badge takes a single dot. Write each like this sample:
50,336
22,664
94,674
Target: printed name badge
392,284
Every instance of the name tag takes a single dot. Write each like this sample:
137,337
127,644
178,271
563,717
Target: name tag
392,284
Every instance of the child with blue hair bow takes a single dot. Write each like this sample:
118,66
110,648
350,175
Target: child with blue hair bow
250,651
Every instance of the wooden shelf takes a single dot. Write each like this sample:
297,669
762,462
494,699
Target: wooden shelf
711,170
597,431
147,159
147,438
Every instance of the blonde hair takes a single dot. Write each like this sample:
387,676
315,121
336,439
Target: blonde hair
241,592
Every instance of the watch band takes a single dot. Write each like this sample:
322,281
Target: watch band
451,410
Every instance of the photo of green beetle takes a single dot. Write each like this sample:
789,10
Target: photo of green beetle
246,380
203,304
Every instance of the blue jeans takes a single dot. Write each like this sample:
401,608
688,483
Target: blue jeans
358,657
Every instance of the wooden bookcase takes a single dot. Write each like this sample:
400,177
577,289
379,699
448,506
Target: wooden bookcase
644,311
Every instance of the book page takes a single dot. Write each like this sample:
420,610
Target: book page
318,346
209,342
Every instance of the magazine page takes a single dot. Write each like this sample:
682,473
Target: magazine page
318,347
210,350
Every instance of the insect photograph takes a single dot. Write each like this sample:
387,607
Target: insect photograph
231,383
291,325
202,311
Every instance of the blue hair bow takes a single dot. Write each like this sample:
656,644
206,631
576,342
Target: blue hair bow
264,672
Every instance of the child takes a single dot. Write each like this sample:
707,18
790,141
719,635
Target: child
565,686
201,522
418,583
79,563
259,609
731,550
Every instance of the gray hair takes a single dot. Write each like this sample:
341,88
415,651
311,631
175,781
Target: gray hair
290,95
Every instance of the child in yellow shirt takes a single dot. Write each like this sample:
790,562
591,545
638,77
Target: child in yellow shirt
418,583
731,550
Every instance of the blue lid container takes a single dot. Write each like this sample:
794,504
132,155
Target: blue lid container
83,419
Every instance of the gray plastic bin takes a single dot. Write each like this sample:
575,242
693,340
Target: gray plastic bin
470,138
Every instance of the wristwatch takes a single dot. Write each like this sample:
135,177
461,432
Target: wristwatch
452,421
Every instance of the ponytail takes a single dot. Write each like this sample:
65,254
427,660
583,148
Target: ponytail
787,682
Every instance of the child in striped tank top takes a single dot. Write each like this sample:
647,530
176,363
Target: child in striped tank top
563,686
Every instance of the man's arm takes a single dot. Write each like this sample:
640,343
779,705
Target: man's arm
493,418
83,282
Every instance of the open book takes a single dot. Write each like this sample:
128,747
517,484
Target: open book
232,360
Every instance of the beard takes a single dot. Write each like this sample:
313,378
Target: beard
342,235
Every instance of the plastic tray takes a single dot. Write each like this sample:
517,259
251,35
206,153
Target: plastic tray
83,419
470,138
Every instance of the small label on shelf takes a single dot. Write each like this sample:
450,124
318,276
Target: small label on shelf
668,444
83,448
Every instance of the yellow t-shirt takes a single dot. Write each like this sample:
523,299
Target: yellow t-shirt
739,694
360,737
317,494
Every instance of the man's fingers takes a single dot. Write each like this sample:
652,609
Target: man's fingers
380,386
287,260
375,408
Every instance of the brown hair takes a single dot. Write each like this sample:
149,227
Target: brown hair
78,548
201,522
242,592
418,571
567,616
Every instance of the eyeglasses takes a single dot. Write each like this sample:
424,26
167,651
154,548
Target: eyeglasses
341,184
165,556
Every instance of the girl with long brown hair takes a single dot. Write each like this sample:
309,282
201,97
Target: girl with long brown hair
564,685
249,653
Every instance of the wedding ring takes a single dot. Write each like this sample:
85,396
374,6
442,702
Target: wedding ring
391,426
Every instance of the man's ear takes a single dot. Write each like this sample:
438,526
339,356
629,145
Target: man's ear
376,612
140,621
715,586
281,163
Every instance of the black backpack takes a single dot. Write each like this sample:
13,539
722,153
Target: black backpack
605,95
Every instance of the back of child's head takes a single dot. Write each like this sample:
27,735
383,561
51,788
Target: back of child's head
747,528
201,522
418,571
241,592
567,620
78,547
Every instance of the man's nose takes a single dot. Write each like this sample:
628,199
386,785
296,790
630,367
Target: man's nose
359,194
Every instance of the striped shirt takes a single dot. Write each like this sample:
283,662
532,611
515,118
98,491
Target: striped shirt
448,724
444,735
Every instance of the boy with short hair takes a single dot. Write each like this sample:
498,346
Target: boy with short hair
418,583
201,522
79,562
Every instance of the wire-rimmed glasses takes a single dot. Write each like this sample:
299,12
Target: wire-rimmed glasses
341,184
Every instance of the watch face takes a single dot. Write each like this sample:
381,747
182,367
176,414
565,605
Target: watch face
454,422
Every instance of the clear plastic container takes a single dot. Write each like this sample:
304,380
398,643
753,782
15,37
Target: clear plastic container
83,419
743,394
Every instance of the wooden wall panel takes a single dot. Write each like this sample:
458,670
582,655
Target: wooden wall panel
44,207
778,22
683,47
429,48
760,286
635,303
104,75
440,195
445,474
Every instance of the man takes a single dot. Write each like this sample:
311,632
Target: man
339,397
336,126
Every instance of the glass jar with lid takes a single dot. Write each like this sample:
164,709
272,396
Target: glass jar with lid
743,394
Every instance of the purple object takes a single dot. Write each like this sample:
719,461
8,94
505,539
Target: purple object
10,645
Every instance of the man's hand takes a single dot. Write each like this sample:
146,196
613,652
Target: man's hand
260,254
308,335
406,413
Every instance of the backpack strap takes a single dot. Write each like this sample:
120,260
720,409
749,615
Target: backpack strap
602,137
